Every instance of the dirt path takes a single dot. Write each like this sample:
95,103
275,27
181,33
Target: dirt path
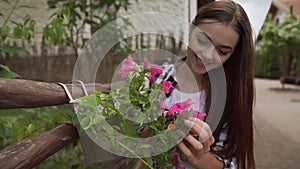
277,122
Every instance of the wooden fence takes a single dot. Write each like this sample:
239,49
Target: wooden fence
140,41
56,64
28,153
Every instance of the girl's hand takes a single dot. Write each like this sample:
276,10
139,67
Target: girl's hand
194,147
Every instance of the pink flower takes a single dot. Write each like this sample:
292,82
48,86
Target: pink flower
180,107
162,107
166,85
126,67
176,165
155,69
174,155
151,78
197,114
147,65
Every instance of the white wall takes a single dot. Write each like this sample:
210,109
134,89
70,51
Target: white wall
184,10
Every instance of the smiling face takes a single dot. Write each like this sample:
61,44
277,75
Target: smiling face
211,44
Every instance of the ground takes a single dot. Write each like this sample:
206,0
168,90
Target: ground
277,125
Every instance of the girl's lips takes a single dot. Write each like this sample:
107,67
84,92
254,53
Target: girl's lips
199,62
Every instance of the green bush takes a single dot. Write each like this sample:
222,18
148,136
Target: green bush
279,39
266,65
296,65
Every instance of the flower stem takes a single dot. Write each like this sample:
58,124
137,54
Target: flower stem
11,12
131,151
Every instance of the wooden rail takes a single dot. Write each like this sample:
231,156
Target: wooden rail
28,153
20,93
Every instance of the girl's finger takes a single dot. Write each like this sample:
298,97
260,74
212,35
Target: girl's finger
196,145
184,149
207,144
200,131
201,124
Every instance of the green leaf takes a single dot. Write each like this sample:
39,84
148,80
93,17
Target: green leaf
52,4
91,22
30,128
52,36
5,72
127,22
117,128
17,32
27,6
14,50
86,122
4,31
98,119
25,33
15,23
32,25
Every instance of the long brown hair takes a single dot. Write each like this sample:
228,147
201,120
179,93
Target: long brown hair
239,74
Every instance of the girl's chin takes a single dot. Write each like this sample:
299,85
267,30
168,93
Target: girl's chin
200,71
199,67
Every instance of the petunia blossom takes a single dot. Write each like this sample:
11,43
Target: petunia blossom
151,78
166,85
126,67
147,64
162,107
180,107
176,164
197,114
174,155
155,69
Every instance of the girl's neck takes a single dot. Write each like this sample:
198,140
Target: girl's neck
188,81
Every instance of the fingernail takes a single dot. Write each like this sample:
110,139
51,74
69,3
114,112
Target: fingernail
191,118
188,122
178,141
203,136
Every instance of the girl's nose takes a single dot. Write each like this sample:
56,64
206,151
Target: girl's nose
209,54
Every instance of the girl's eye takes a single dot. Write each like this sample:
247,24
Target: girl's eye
221,52
203,41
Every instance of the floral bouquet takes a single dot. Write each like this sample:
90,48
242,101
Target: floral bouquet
119,120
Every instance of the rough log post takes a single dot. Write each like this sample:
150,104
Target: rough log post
30,152
20,93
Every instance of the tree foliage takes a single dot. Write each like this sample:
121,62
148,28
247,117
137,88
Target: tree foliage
279,39
82,18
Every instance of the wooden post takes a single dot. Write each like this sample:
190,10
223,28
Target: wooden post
30,152
20,93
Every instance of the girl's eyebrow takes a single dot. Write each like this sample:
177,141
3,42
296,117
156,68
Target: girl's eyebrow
222,46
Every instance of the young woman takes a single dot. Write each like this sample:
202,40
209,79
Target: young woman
221,38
